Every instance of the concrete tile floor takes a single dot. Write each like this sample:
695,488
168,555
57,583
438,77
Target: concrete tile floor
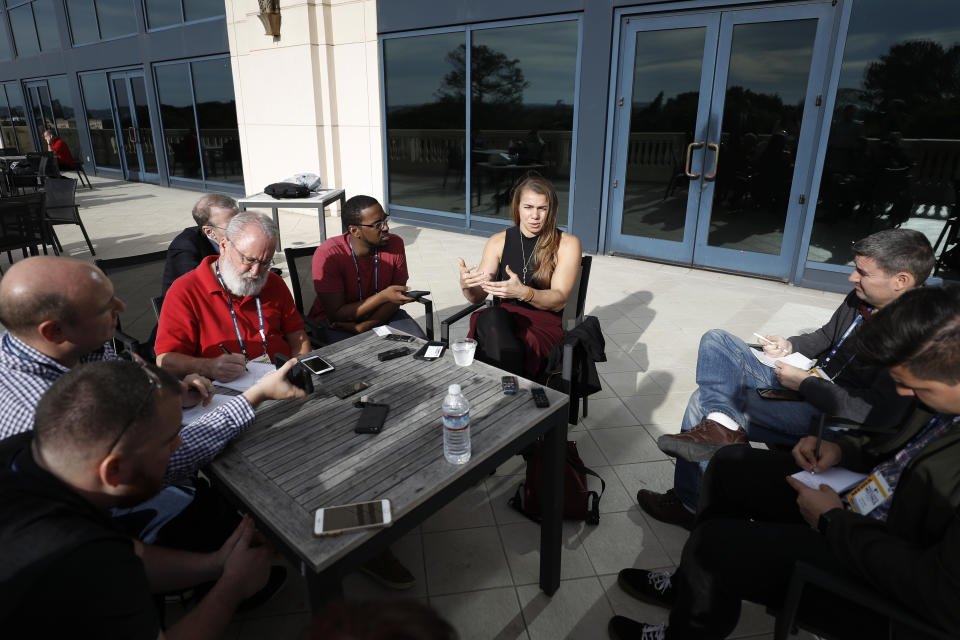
476,561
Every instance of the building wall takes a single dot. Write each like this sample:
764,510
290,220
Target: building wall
309,100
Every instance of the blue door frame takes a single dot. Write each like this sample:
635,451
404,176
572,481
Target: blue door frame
718,26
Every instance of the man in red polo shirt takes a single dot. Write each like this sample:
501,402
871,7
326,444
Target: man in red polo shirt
361,275
231,308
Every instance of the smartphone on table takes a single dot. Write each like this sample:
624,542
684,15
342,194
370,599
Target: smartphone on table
331,521
316,365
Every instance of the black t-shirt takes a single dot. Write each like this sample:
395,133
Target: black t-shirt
65,570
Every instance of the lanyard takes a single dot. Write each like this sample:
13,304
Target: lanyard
846,334
233,314
376,270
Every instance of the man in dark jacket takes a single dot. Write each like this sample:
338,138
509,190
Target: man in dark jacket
755,521
212,213
726,408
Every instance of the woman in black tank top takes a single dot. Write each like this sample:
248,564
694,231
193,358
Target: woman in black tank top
530,270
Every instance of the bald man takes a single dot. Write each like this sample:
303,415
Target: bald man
61,312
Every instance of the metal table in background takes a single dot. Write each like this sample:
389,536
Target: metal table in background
318,201
303,454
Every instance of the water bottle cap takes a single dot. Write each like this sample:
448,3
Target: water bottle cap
454,390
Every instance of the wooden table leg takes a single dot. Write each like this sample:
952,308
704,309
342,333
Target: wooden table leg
551,481
323,588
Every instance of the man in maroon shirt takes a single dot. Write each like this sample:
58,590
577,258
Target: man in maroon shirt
360,277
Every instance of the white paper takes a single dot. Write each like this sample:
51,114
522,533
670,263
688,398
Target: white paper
433,351
837,478
255,371
194,413
794,359
382,330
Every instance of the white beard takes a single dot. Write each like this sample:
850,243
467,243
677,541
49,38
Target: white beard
242,284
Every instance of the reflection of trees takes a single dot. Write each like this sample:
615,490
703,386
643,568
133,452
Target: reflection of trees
494,78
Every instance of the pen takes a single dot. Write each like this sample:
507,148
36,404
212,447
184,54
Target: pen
816,450
227,351
767,340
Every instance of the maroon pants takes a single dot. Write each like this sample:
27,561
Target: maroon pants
515,338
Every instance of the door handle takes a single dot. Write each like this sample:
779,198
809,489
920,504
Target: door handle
716,160
686,166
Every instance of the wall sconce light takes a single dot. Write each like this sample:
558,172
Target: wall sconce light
270,17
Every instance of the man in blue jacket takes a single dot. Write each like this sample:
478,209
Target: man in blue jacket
898,532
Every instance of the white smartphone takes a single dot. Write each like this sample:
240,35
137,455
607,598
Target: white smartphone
316,365
330,521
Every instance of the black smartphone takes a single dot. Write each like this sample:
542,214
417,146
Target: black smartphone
383,356
772,393
348,390
298,376
372,418
399,337
417,293
509,385
430,351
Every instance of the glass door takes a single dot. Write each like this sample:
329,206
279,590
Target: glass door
41,110
716,141
132,114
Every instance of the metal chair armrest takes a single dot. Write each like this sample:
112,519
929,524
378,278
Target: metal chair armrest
463,313
428,312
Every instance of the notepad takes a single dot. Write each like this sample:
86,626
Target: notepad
795,359
837,478
195,413
255,371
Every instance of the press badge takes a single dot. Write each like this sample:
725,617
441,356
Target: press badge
264,358
817,371
869,494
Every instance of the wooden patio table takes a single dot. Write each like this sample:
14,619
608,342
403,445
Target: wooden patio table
303,454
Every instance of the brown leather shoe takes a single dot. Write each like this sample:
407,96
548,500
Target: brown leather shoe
700,443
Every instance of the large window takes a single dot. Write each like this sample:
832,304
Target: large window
96,98
6,51
893,156
521,83
165,13
198,112
93,20
34,27
13,119
64,116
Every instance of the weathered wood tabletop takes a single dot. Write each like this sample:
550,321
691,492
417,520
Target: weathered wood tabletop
303,454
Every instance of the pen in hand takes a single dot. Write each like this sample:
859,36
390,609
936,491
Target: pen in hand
227,351
816,449
767,340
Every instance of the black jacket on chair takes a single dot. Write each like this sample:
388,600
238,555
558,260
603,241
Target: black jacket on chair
589,345
184,254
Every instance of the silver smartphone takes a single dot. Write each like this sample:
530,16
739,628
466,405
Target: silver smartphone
316,365
330,521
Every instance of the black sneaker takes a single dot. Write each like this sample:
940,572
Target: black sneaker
652,587
621,628
666,507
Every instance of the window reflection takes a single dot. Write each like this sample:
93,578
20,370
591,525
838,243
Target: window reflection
18,118
162,13
116,18
176,116
6,51
46,22
64,117
522,96
83,21
425,127
217,116
893,156
200,9
24,31
96,97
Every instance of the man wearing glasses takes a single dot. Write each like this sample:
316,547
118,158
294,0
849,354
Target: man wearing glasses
231,309
212,213
360,277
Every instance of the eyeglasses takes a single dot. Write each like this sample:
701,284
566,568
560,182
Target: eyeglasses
248,261
379,225
154,384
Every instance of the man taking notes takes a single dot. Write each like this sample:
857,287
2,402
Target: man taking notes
726,409
230,303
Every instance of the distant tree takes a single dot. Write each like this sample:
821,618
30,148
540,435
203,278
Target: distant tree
495,78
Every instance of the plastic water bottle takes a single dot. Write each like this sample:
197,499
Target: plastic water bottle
456,426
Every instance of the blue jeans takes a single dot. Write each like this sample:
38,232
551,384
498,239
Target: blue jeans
401,321
727,376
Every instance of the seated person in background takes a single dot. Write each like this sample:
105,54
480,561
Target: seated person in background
60,150
212,213
532,267
754,522
103,435
726,409
231,308
360,276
